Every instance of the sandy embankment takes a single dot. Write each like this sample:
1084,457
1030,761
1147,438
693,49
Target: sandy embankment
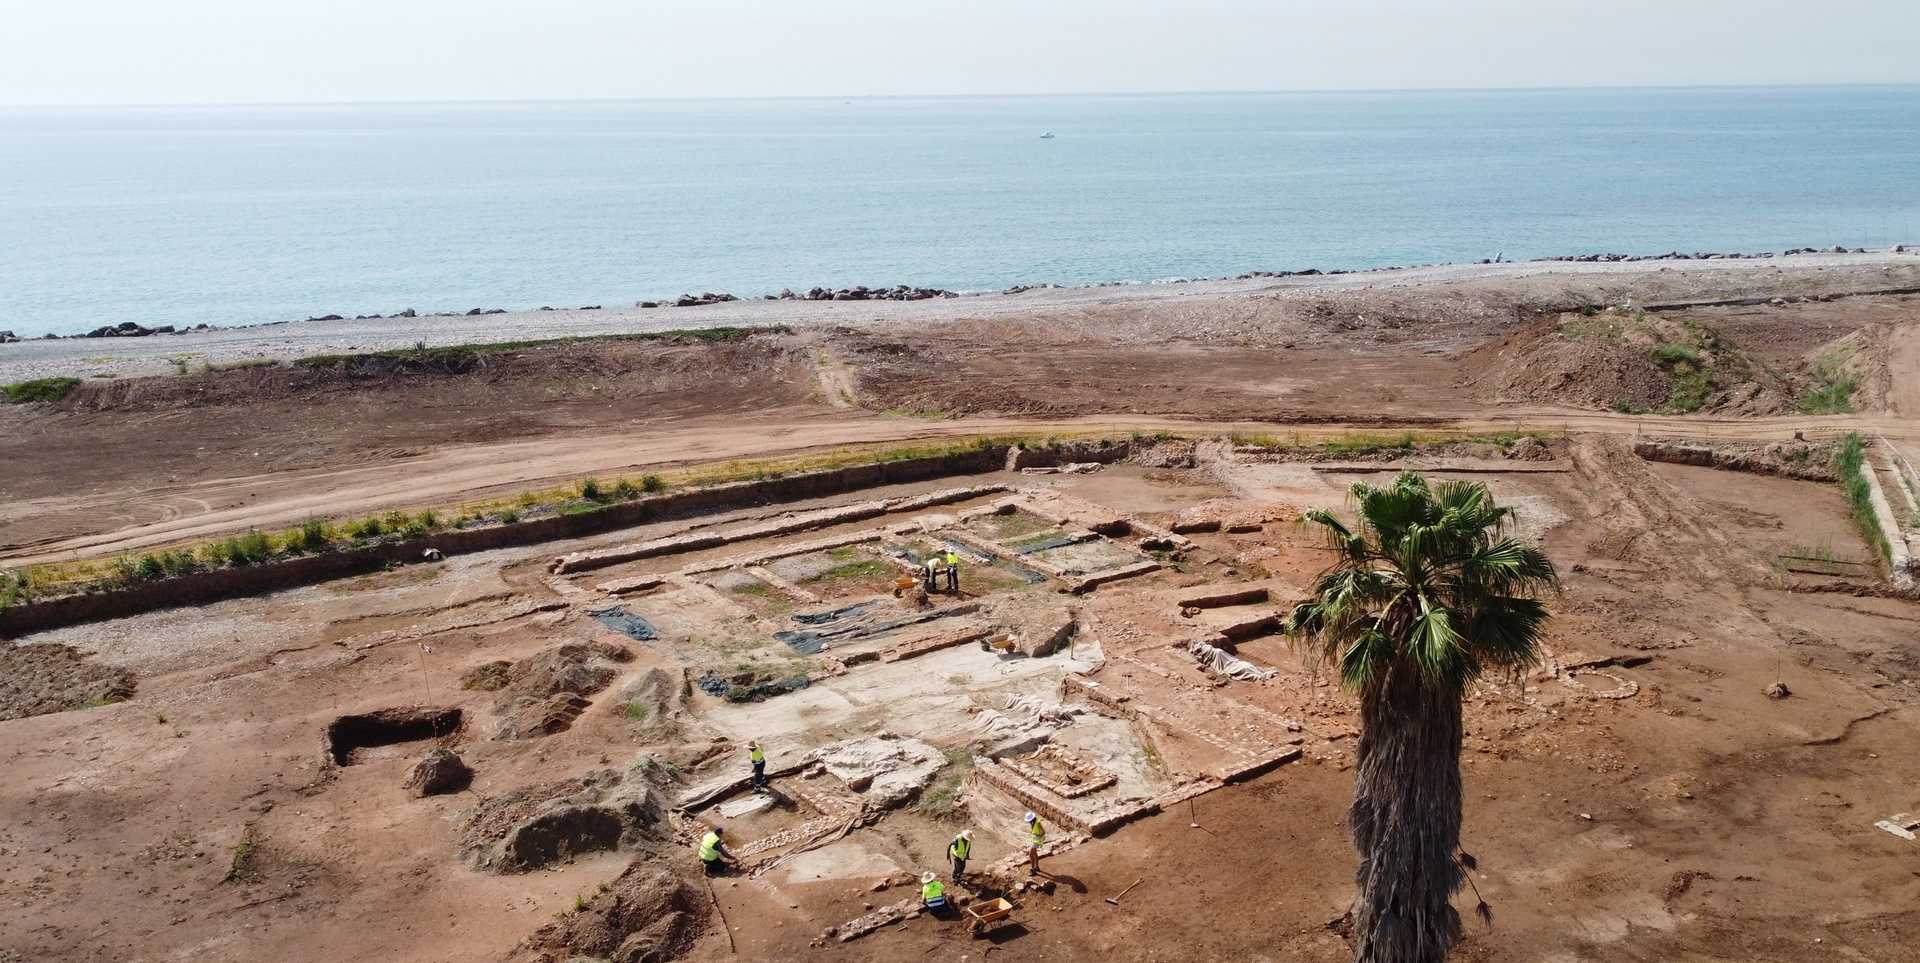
125,357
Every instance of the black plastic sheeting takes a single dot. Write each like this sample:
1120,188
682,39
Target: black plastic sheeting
1061,541
719,685
834,615
802,641
626,622
851,622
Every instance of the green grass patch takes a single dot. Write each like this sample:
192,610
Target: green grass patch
1833,387
39,389
1691,388
1850,460
858,571
240,865
16,588
1670,354
941,799
1832,398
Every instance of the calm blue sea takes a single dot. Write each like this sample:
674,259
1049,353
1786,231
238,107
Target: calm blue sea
232,215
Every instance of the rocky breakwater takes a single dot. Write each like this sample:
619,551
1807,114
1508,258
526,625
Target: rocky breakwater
1701,255
900,292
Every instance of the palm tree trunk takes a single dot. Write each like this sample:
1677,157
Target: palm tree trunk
1405,820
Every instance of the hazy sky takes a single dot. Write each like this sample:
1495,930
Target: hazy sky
195,51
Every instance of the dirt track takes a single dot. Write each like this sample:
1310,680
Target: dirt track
173,514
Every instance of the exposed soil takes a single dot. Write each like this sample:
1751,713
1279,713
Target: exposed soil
36,679
533,827
646,915
348,735
1639,796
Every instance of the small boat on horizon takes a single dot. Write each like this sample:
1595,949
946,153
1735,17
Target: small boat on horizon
1047,136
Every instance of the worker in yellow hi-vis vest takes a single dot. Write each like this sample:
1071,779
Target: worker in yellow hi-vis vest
713,853
1036,838
933,894
758,757
958,851
953,572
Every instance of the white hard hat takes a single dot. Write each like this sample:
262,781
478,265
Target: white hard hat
966,834
926,877
1032,818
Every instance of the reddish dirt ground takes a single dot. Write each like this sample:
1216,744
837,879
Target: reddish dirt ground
1694,818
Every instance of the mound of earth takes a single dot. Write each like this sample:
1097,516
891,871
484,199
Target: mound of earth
529,828
543,693
440,771
647,915
487,676
43,678
655,700
1170,453
1629,361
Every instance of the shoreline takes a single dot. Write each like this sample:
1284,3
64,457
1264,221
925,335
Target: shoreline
168,353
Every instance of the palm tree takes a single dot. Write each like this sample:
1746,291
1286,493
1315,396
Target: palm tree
1428,593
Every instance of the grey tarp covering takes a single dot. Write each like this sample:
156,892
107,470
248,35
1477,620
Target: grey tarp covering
626,622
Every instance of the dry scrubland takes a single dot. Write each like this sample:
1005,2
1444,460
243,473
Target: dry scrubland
508,754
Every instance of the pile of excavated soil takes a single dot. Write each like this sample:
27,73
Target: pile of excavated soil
655,700
580,668
1611,360
647,915
543,693
529,828
38,679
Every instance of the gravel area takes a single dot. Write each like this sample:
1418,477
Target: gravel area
1178,302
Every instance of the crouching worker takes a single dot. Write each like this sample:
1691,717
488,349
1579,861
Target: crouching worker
713,853
933,894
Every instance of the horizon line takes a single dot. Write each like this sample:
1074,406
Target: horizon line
1249,92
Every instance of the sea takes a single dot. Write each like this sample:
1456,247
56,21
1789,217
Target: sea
243,214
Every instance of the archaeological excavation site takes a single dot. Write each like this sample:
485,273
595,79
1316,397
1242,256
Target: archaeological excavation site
508,730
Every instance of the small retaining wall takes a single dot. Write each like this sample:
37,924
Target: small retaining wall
1103,451
201,588
1899,559
1681,453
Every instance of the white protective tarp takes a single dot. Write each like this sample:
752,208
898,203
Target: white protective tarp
1216,659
